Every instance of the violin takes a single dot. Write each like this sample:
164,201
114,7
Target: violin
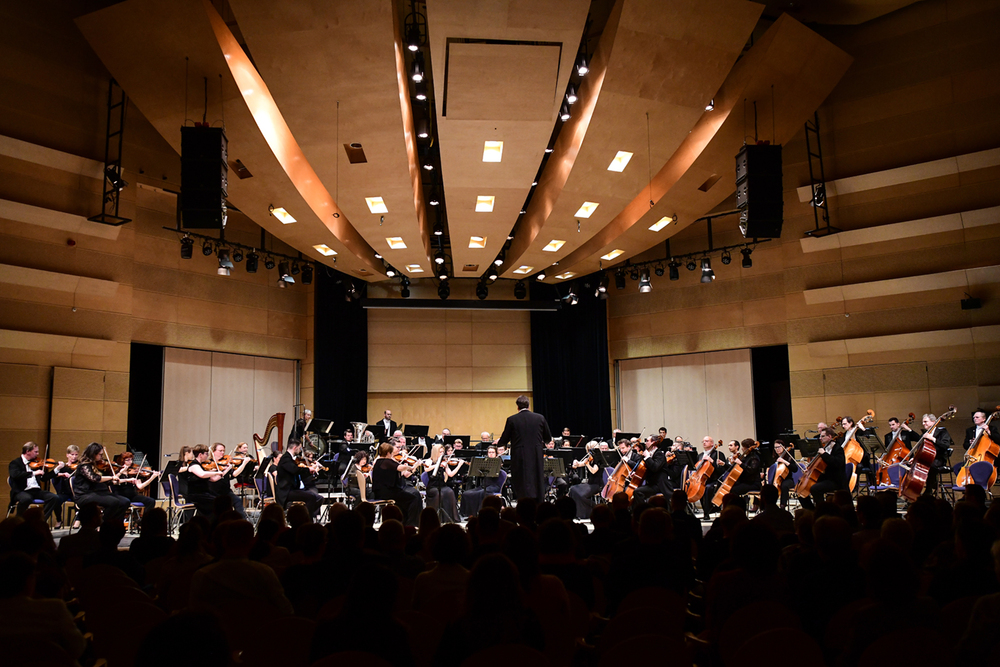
306,463
46,464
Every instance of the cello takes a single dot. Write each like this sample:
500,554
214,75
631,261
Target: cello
695,482
618,479
814,469
638,474
897,452
982,449
733,476
853,451
911,485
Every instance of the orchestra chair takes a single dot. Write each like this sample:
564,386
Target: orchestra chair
946,480
133,509
352,658
76,507
503,488
980,472
176,509
506,655
652,649
797,649
901,648
13,500
895,472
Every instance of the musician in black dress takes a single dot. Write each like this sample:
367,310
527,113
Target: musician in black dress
866,460
584,492
785,456
656,479
388,484
198,480
834,477
224,487
720,466
132,486
90,486
943,444
440,472
356,479
749,460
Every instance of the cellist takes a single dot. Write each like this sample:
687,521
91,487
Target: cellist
784,456
657,479
972,433
749,459
835,475
866,461
720,464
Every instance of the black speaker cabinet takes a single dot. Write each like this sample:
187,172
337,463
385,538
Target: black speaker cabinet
759,191
204,177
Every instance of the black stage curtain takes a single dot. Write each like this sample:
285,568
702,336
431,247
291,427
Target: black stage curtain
569,363
772,391
145,401
340,378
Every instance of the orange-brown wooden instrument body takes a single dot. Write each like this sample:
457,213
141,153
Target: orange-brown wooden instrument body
912,484
983,449
896,453
853,451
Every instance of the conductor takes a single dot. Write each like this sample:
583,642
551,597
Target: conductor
526,433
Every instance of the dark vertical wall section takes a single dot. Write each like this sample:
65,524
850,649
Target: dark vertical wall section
341,353
145,399
569,365
772,394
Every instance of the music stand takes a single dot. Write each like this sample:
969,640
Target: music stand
807,446
623,435
484,466
600,459
870,442
172,468
554,467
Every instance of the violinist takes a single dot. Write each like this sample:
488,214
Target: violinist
62,473
784,456
748,457
388,484
657,479
201,472
835,475
185,457
683,456
472,499
440,471
90,484
223,486
720,465
291,485
243,452
356,480
584,492
130,483
26,475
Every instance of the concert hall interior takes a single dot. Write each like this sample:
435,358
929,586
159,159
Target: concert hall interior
293,229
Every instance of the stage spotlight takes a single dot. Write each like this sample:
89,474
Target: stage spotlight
439,257
350,291
442,272
572,298
252,260
283,274
691,265
237,255
492,273
747,262
438,229
571,94
444,290
634,273
727,258
674,267
581,65
307,274
564,114
114,177
710,106
405,290
707,274
225,263
659,269
482,290
421,91
187,247
602,287
295,268
389,271
540,275
644,284
207,248
417,69
520,290
620,279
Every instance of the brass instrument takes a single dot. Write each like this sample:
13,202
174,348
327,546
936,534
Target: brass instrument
361,435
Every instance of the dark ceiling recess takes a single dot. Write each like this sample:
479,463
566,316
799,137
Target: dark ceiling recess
355,153
240,169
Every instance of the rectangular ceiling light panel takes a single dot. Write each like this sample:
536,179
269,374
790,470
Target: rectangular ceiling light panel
484,203
587,209
611,255
395,242
620,161
492,151
325,250
553,245
376,205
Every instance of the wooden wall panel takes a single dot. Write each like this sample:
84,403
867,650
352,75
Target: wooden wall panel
187,398
464,413
273,391
232,398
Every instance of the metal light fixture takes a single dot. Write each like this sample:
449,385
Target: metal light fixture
520,290
659,269
572,298
674,267
634,273
710,106
417,69
602,287
540,275
707,274
571,94
492,273
225,263
444,290
252,260
620,279
269,263
207,248
439,257
482,290
726,258
295,268
691,265
581,65
442,272
187,247
307,274
564,114
644,284
747,262
283,274
237,255
405,290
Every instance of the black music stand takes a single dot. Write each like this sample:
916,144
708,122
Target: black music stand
554,467
807,446
870,442
172,468
484,466
627,436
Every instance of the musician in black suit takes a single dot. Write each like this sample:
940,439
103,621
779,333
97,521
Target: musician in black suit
714,452
898,429
25,483
834,477
383,429
943,444
657,479
291,487
972,433
526,433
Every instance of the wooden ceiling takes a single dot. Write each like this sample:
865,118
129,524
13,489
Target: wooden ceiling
328,74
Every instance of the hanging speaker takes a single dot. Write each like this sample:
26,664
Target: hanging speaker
759,191
204,177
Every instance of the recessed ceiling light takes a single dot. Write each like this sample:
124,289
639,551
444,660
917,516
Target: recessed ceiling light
484,203
620,161
477,241
524,270
429,167
611,255
376,205
414,268
553,245
661,223
565,275
325,250
281,214
548,150
587,209
395,242
434,202
534,183
492,151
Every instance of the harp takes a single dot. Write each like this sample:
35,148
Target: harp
277,421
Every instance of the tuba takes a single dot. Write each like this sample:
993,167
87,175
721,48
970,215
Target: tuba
361,436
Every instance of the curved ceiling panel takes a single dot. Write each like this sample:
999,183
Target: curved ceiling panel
655,69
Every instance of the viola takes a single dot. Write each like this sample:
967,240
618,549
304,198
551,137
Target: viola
923,454
982,449
897,452
303,462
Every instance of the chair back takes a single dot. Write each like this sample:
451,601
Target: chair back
894,475
424,478
981,472
771,470
503,479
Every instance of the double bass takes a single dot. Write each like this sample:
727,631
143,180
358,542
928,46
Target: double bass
853,451
911,485
982,449
897,452
695,482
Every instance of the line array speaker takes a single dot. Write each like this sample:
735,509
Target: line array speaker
204,177
759,191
